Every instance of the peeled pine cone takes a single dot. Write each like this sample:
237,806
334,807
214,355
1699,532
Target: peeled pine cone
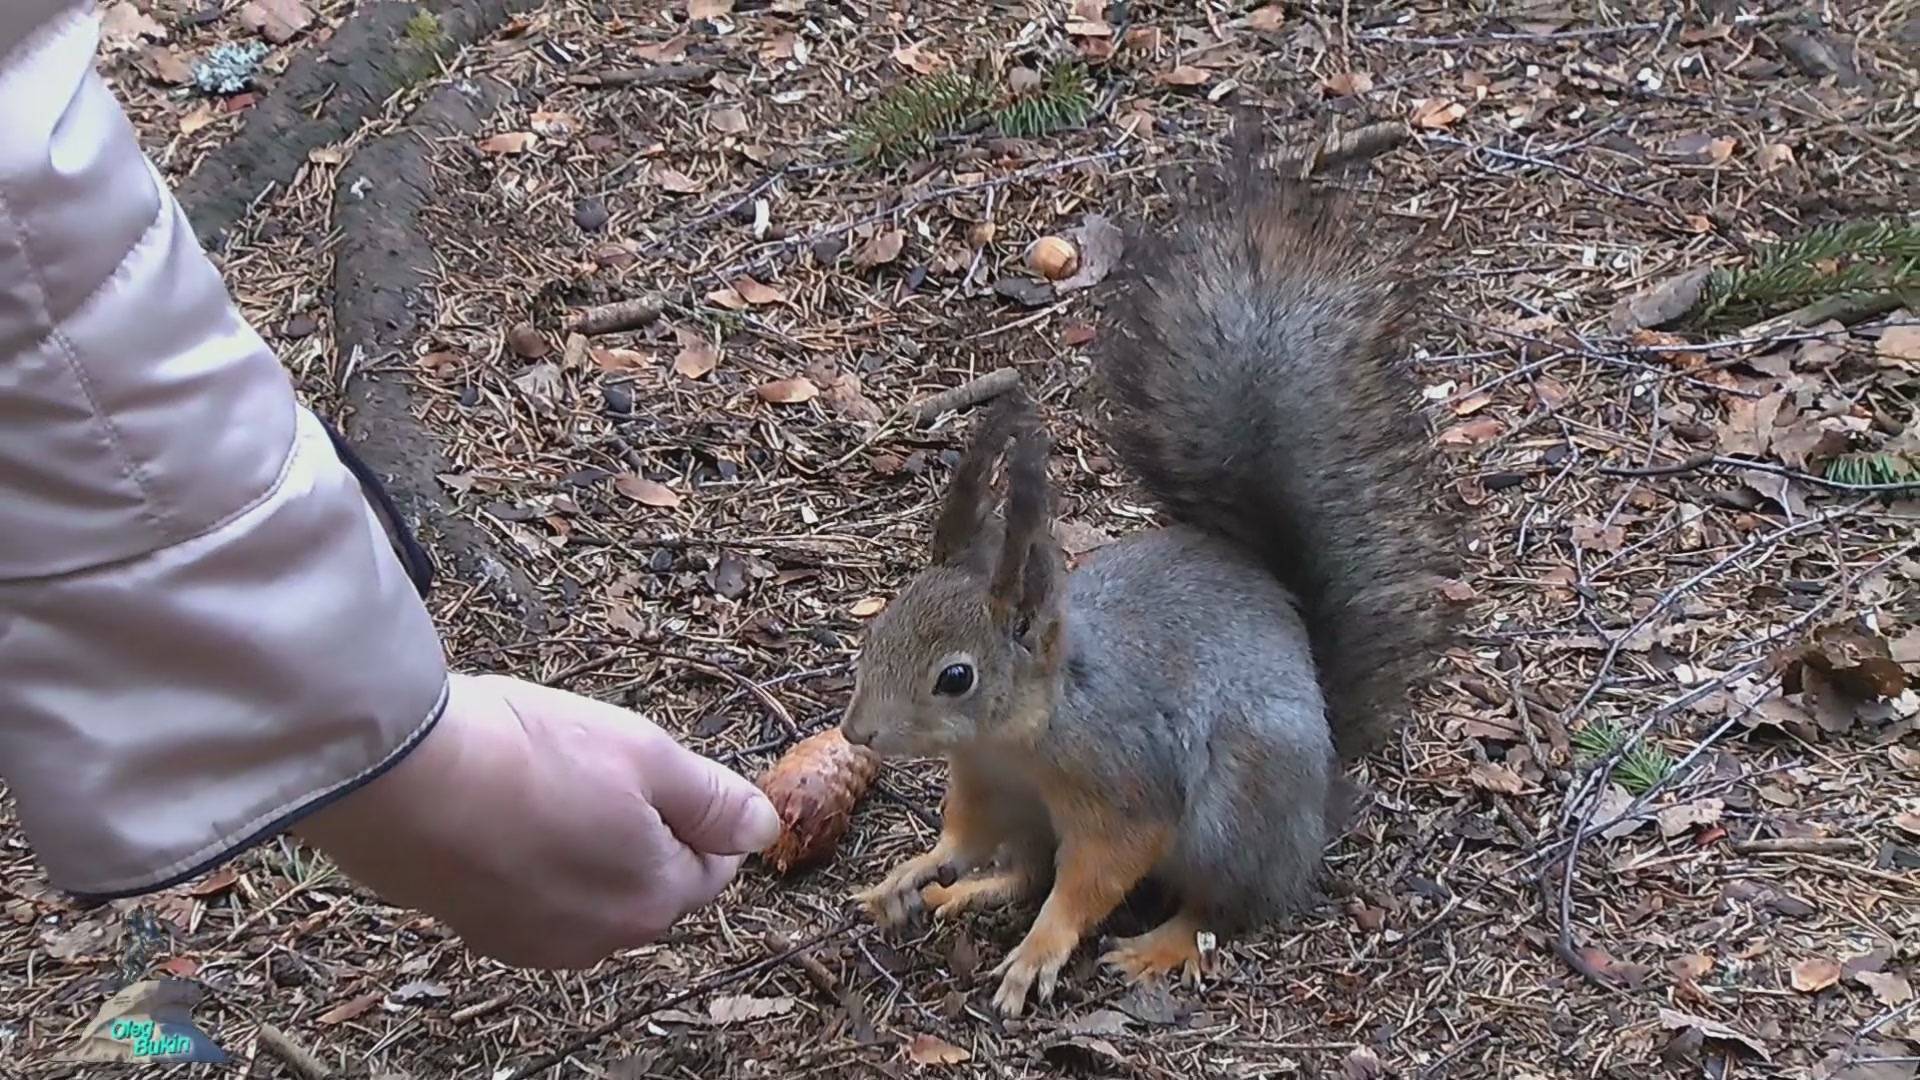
814,787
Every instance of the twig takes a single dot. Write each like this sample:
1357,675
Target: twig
479,1009
619,315
1847,307
823,980
968,394
704,986
1706,461
1797,845
658,75
296,1057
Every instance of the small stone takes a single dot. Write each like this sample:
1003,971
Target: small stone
618,397
828,250
302,325
590,214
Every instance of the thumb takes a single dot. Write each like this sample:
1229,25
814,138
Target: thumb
711,808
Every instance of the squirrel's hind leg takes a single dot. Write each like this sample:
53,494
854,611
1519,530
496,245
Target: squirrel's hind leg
1174,945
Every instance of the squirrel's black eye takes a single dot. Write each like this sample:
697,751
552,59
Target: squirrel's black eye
957,679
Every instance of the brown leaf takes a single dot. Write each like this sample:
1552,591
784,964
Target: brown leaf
218,882
1185,75
869,607
509,142
276,20
1659,303
1774,156
1267,19
1748,428
1905,759
92,938
1362,1063
1077,334
198,117
1677,819
1814,974
646,492
1807,444
609,359
753,292
676,181
928,1049
1437,112
1348,83
1899,344
882,248
1472,432
123,25
1908,821
348,1009
728,121
1892,990
708,9
1100,243
788,391
728,298
1674,1020
1690,966
670,51
1494,777
739,1008
1593,536
1459,592
166,66
919,59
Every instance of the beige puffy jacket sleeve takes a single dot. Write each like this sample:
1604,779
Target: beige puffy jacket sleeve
205,628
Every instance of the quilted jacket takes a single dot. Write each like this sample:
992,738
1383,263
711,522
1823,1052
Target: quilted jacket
205,627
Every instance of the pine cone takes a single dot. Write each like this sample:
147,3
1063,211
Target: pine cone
814,787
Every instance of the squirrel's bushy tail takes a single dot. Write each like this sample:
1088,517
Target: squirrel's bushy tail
1256,387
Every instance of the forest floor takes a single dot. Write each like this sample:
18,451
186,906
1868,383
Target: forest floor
1666,561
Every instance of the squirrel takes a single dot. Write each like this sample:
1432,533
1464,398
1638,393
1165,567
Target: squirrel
1178,709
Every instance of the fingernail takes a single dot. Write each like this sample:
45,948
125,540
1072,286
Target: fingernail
760,825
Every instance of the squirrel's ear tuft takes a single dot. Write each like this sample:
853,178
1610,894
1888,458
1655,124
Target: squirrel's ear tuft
964,510
1025,578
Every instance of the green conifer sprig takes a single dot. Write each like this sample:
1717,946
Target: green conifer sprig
1873,468
908,119
1855,257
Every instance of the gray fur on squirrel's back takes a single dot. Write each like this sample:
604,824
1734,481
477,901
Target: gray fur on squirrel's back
1188,684
1254,374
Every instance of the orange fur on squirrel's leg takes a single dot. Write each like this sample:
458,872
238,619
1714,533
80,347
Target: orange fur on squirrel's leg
1174,945
966,840
1100,860
973,894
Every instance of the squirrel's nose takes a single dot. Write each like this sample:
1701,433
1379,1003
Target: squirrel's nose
855,734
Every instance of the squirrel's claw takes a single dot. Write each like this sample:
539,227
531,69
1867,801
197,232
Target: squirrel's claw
1030,966
1174,945
897,898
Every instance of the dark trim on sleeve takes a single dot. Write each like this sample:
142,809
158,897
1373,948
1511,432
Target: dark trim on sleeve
412,555
284,821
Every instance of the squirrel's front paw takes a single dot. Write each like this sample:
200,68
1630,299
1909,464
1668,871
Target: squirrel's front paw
1035,964
897,897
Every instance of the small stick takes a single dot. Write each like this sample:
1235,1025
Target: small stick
1848,308
1797,845
479,1009
659,75
281,1045
619,315
986,387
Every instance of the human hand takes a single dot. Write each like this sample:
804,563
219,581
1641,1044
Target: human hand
546,829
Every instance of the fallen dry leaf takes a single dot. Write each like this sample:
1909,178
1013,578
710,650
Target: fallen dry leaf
1267,19
739,1008
1900,344
349,1009
697,359
670,51
788,391
509,142
1437,112
1675,820
1101,244
1748,428
1909,822
1659,303
1494,777
646,492
882,248
1814,974
1472,432
1348,83
932,1050
1185,75
276,20
677,182
868,608
728,121
123,25
1674,1020
708,9
919,59
728,298
164,65
1892,990
753,292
